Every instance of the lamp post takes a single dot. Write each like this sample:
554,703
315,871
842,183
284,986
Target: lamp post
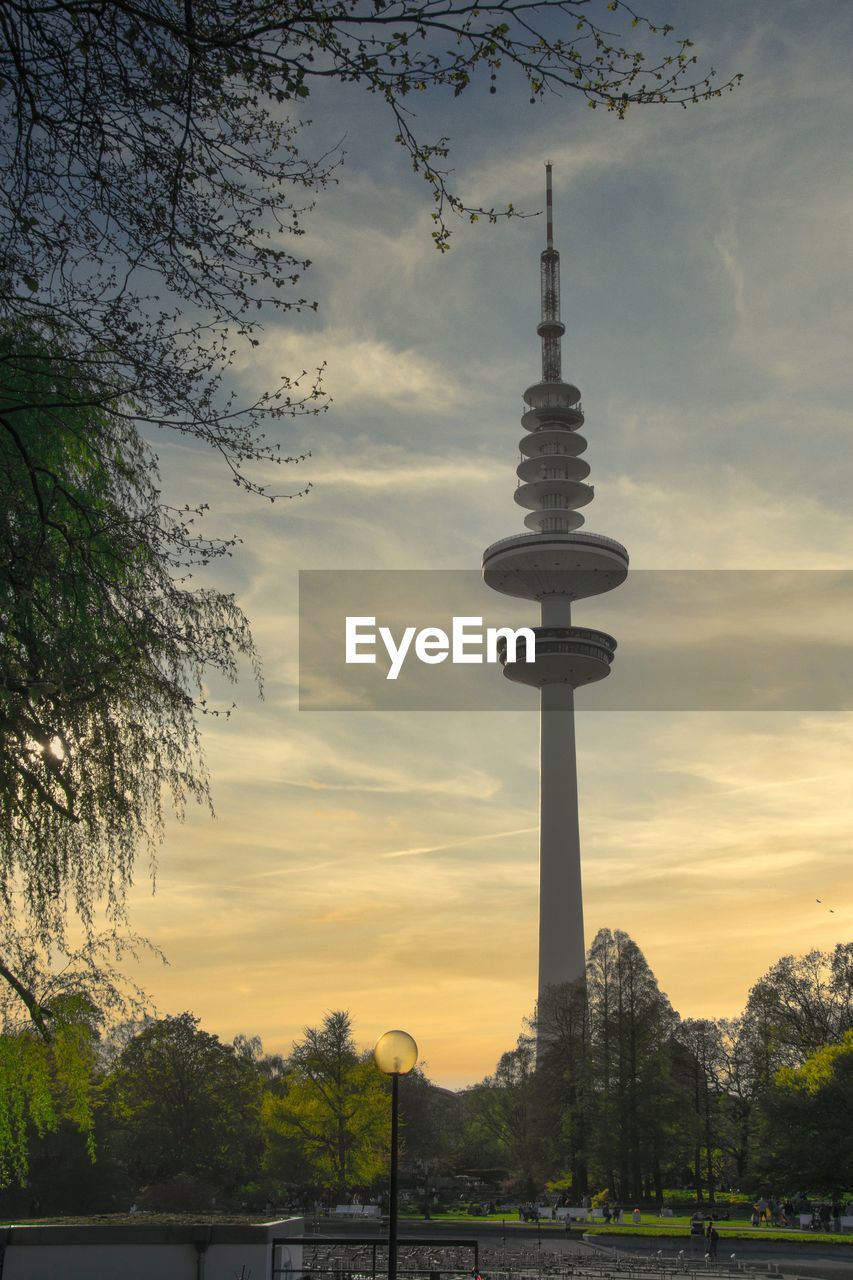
395,1054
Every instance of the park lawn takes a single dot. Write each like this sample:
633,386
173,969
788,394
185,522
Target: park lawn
730,1232
650,1225
459,1215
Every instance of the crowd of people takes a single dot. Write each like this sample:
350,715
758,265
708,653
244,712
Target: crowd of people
825,1215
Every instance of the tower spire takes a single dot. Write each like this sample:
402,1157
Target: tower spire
551,327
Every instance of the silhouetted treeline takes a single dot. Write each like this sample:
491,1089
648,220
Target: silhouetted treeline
608,1088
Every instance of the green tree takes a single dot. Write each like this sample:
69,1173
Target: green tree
705,1112
104,648
804,1123
744,1044
564,1081
55,1006
503,1108
800,1004
428,1118
334,1106
631,1026
45,1080
183,1103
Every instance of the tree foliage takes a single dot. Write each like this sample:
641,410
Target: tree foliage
184,1103
805,1121
631,1026
156,184
46,1079
621,1095
503,1108
334,1106
800,1004
56,1004
104,646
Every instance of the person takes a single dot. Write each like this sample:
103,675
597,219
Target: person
836,1214
713,1237
607,1215
617,1213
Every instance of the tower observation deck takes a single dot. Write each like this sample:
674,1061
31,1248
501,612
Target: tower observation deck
555,564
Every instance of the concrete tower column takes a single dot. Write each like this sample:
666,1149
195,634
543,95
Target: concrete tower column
556,565
561,936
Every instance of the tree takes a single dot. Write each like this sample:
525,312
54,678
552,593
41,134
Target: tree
44,1081
182,1103
631,1026
504,1107
154,171
104,646
564,1077
55,1006
805,1120
334,1106
428,1117
703,1068
744,1045
429,1128
800,1004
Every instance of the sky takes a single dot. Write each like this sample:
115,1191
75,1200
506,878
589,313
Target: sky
386,862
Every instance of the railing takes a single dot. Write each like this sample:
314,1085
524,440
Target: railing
334,1257
575,633
569,640
577,407
587,539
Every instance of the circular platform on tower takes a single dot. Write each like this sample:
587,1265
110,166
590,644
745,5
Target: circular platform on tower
575,566
564,655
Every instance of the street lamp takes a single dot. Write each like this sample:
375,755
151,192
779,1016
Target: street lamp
395,1055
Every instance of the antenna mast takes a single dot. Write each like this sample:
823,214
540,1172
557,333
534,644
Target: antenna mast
551,327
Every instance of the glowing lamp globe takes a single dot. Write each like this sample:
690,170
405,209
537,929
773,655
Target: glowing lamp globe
396,1053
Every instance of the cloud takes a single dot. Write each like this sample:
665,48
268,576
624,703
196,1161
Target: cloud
361,371
462,842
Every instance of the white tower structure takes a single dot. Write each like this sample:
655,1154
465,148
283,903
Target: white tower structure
556,565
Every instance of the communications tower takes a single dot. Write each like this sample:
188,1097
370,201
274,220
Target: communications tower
556,565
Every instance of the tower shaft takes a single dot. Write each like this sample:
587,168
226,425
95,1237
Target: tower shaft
561,934
556,565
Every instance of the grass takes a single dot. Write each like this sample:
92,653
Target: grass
652,1225
730,1232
